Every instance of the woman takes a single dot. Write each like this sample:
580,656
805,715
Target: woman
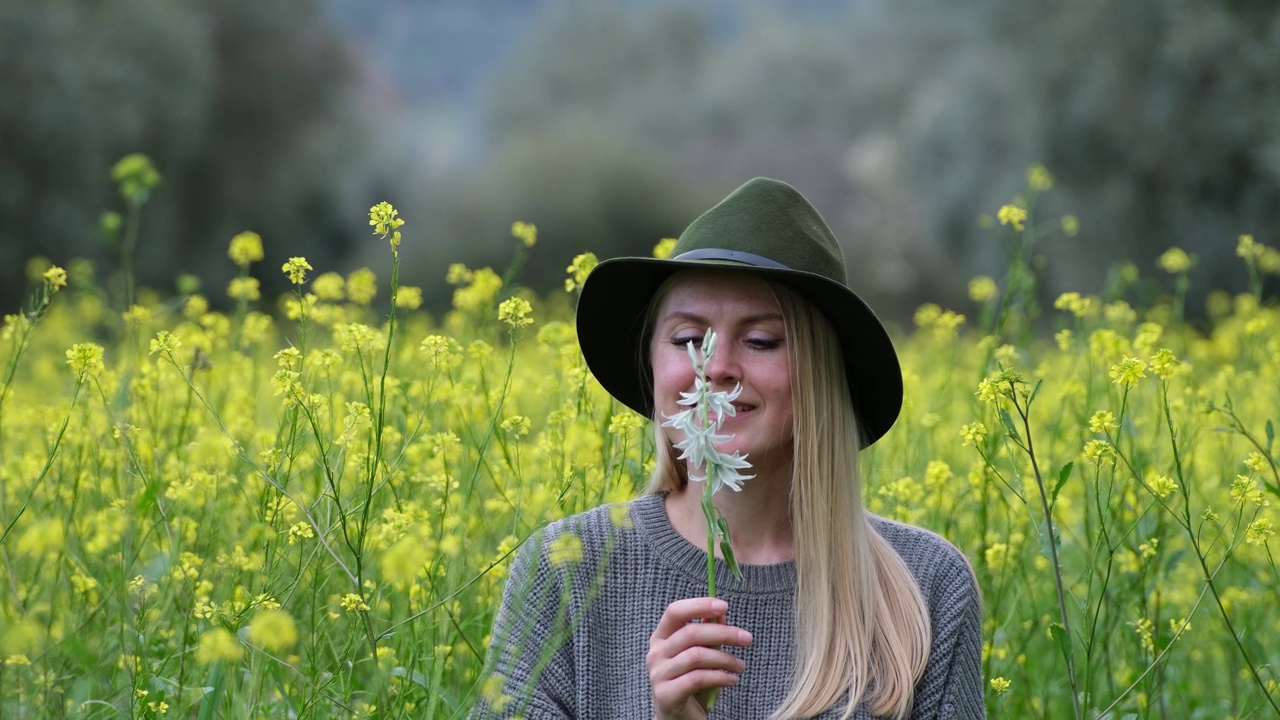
837,614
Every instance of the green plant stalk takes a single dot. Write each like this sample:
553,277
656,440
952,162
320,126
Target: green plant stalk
1024,413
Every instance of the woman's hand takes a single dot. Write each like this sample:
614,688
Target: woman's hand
685,660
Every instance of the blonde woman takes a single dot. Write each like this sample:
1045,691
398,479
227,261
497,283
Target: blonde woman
838,613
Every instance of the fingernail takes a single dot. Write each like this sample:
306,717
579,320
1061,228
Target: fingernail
744,636
719,605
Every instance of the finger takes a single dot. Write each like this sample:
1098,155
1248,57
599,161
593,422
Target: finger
694,659
682,612
704,634
673,696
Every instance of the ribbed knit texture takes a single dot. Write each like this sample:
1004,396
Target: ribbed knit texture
571,639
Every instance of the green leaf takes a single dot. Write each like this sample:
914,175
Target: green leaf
1009,426
1059,633
1034,392
727,551
217,680
1063,474
1271,435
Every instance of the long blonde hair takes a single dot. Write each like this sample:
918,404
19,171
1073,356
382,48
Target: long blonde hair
861,623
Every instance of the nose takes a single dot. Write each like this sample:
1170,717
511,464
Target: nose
724,369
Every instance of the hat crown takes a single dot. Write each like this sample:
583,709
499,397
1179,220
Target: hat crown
771,219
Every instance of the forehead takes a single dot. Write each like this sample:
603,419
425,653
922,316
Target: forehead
706,291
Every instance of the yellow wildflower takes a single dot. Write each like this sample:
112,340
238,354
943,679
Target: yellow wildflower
973,433
999,685
1176,260
362,286
663,249
329,286
579,269
515,312
565,549
274,630
55,278
1012,215
1258,532
1102,421
296,269
1128,371
982,289
245,248
526,233
1039,178
218,644
1070,225
85,360
1161,486
384,221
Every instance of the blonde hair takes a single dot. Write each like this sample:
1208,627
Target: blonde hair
861,623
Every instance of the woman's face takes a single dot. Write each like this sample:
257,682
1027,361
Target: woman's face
751,351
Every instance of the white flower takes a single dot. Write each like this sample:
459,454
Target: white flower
701,422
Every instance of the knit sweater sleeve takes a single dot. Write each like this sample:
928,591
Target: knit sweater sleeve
951,686
530,671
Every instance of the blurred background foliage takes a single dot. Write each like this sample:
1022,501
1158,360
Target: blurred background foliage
611,124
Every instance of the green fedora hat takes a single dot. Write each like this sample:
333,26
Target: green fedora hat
765,228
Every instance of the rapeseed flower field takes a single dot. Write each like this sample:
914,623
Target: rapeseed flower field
309,510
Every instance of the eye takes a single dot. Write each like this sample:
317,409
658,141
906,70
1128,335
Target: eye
762,343
682,340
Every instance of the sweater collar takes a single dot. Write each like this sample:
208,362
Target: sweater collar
651,520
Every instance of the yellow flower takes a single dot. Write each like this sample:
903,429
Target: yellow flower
136,177
982,289
244,288
362,286
623,423
1128,371
296,269
245,248
1098,451
1258,532
329,286
1102,422
85,360
55,278
1247,248
409,297
273,630
384,221
1063,340
999,685
1039,178
578,270
352,602
1070,225
996,554
1161,486
526,233
1164,364
1176,260
300,531
663,249
515,312
218,644
565,549
517,425
973,433
1012,215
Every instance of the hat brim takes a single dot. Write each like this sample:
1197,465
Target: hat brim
615,301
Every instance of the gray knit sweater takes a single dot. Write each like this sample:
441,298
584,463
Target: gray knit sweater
570,637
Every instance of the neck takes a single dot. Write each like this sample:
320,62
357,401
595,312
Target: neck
759,516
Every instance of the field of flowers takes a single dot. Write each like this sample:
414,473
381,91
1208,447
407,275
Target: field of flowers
308,511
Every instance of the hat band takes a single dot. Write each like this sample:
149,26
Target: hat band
732,255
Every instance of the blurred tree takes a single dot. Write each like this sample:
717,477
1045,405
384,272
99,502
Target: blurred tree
904,121
245,108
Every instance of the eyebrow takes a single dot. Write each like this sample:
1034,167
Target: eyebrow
694,317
